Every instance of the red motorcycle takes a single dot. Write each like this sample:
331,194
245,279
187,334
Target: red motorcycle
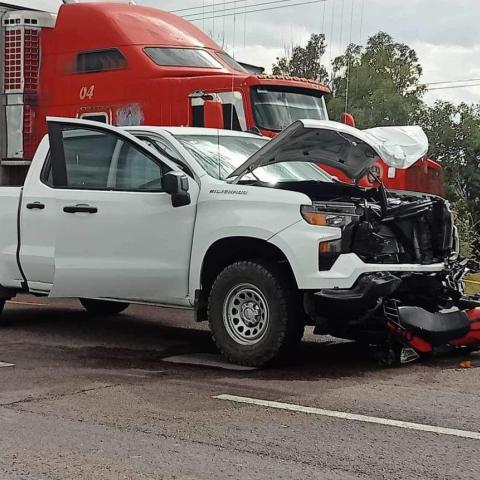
414,331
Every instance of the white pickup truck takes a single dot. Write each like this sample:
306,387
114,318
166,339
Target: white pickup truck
249,233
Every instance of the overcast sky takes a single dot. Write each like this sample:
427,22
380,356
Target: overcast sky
445,33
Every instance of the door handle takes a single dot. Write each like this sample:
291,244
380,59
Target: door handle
81,208
35,205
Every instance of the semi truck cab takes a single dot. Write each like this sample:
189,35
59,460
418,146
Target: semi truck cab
124,65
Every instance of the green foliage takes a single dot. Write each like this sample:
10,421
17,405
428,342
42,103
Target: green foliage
305,61
381,80
467,229
454,137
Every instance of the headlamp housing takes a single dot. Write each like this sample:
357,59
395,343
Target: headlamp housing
330,214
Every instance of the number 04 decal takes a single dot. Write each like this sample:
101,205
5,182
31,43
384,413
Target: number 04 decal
87,92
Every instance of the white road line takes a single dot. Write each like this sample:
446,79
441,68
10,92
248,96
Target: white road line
351,416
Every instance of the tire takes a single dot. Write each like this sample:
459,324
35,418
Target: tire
263,328
103,307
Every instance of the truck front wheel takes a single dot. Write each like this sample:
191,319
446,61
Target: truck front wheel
251,311
102,307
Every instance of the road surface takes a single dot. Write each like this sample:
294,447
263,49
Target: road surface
143,396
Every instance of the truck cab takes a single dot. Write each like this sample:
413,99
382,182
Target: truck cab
126,64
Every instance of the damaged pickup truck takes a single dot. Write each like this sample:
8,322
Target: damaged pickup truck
250,234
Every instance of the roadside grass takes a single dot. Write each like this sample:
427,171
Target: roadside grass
472,284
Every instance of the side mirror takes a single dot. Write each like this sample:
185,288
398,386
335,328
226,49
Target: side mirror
348,119
176,184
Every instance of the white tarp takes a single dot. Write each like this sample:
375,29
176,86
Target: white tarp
399,147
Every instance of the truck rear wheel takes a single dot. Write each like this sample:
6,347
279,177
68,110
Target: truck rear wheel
251,311
103,307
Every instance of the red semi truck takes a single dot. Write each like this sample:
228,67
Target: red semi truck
127,64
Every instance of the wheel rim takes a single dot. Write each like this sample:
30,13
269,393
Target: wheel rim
246,314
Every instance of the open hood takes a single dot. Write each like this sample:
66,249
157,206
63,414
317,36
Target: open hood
348,149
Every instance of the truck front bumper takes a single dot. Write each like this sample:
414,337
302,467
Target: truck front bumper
348,269
364,296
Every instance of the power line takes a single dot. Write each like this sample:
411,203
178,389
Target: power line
362,14
330,49
341,23
323,17
256,10
452,81
235,8
206,6
347,88
454,86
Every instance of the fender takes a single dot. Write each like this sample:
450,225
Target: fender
257,213
199,254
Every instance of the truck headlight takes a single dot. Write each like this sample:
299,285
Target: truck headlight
330,214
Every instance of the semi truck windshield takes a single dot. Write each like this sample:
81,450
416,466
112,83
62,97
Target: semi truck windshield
275,109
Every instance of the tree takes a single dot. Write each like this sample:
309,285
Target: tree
381,81
305,61
454,137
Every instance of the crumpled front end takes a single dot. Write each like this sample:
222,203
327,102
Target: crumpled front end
394,247
404,315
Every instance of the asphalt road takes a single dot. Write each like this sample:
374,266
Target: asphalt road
95,398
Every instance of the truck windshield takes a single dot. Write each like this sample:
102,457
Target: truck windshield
275,109
221,155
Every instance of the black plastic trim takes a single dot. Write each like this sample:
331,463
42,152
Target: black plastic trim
57,154
19,242
80,209
35,206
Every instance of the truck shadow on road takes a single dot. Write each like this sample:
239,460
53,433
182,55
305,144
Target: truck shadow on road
144,336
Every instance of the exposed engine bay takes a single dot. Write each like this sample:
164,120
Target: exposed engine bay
384,226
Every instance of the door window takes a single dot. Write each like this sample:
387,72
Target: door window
98,160
168,151
233,111
88,155
135,171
